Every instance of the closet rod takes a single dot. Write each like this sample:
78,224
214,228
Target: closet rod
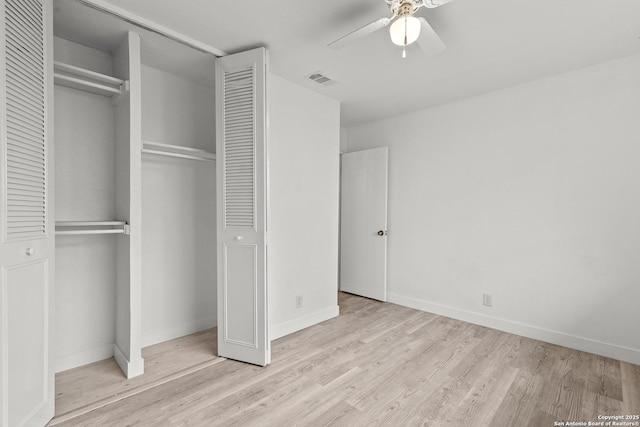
181,156
179,148
76,232
88,223
85,74
76,83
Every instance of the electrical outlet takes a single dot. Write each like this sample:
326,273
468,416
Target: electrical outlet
487,299
299,301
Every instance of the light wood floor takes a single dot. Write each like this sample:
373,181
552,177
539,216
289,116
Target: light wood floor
93,386
382,364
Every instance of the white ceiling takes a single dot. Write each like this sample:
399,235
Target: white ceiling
491,44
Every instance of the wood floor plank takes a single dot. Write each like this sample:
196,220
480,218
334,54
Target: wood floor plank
630,376
375,364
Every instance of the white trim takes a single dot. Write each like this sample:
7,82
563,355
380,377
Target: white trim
84,357
162,335
613,351
130,368
295,325
138,20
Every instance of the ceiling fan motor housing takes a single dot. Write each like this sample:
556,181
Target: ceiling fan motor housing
404,7
409,7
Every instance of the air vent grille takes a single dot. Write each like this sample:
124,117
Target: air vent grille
319,78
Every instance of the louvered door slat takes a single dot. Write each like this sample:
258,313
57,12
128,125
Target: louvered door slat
24,42
19,129
22,95
32,159
24,169
24,110
30,203
26,38
19,100
24,121
27,110
29,12
17,83
26,153
26,148
30,179
19,75
27,66
17,139
239,161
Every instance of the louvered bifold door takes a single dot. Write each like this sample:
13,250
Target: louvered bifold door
25,161
241,194
26,237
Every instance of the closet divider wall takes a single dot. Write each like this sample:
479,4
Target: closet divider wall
128,345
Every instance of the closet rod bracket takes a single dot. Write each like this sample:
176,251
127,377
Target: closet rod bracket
127,229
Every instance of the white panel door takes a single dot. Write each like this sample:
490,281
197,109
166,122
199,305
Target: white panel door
241,203
26,225
363,223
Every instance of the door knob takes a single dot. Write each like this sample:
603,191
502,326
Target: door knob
30,251
381,233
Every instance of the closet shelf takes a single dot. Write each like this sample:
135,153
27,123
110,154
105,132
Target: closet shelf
69,228
87,80
169,150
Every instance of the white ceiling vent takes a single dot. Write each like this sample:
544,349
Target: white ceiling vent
321,79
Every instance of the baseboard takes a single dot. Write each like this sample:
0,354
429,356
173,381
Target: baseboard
554,337
156,337
130,368
295,325
84,357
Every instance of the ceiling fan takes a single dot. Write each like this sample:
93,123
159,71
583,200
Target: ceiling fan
405,28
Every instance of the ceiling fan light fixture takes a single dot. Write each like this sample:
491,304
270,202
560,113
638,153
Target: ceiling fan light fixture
405,30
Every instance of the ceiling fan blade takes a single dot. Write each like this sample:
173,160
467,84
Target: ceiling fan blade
429,40
359,33
434,3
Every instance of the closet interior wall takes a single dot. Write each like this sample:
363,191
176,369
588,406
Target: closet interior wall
93,191
178,201
85,190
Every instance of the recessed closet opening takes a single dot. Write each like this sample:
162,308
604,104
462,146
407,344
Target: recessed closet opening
178,192
86,245
135,207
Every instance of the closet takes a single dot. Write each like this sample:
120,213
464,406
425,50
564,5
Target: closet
135,189
178,193
145,252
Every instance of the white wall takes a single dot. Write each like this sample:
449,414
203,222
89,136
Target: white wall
177,110
85,190
178,210
530,194
303,141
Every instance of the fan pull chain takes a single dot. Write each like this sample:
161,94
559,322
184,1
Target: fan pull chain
404,48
